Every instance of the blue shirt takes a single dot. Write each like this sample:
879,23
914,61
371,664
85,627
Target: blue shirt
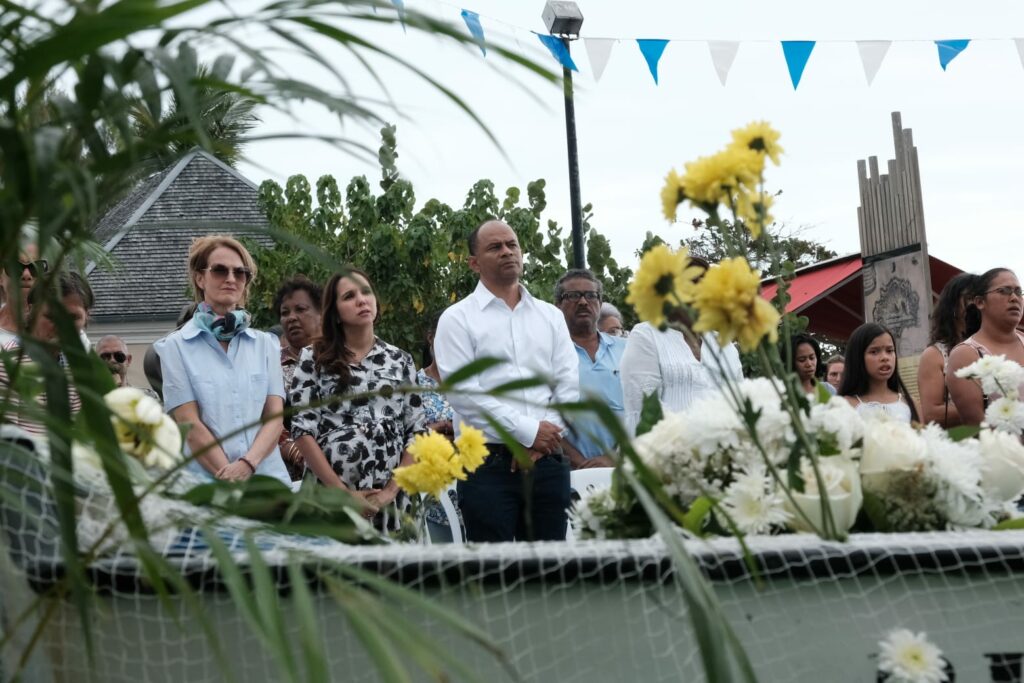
599,379
230,388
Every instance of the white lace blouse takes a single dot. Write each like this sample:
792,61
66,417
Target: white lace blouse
663,362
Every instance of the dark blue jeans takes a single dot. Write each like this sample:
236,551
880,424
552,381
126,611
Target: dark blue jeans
501,505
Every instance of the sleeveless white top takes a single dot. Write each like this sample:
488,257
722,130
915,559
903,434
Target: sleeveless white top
896,410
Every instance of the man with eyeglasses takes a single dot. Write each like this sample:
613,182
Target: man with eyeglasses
578,295
16,287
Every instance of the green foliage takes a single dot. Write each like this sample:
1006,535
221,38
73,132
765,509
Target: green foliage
415,257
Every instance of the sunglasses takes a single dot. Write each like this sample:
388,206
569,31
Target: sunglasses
116,356
221,272
36,268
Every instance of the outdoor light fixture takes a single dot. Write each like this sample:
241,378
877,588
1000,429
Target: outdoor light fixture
564,20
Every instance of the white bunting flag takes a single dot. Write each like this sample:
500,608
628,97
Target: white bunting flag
598,52
1020,49
872,52
723,53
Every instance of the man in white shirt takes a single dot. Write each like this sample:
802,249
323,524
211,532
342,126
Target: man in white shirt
501,320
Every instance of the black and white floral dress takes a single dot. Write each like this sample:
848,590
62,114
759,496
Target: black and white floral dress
363,438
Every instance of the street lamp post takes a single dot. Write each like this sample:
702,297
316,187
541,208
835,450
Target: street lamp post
564,19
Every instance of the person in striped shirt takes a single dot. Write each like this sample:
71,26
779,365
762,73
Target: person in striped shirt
19,373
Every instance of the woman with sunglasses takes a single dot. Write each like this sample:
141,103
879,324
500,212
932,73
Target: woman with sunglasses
355,442
16,287
222,377
994,308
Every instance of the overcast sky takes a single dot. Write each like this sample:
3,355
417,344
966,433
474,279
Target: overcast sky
968,122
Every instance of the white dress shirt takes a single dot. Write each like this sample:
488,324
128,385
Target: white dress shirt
531,340
663,363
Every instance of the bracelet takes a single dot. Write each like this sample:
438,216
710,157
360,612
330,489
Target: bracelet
251,467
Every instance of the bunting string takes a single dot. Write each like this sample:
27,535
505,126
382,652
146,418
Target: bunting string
796,53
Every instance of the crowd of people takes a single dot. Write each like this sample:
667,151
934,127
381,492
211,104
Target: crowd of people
327,398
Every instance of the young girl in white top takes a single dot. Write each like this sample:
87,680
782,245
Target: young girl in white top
871,379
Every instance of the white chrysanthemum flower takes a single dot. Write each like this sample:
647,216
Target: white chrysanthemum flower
754,504
910,658
955,467
1006,415
717,427
774,425
587,516
668,439
996,374
837,419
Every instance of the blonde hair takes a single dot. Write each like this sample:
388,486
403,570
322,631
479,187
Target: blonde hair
199,256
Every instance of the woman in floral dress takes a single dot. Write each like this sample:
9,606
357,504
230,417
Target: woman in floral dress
356,442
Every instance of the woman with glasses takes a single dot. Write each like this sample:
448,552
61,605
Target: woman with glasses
222,377
16,287
355,441
994,308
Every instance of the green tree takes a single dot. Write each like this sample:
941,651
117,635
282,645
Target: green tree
783,246
416,258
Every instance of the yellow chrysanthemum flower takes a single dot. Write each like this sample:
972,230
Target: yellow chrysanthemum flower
760,137
752,208
435,466
671,195
710,181
727,302
471,446
664,279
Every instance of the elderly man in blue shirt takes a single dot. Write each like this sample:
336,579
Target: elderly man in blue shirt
578,294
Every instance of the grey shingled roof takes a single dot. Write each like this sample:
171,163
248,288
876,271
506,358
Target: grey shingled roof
148,235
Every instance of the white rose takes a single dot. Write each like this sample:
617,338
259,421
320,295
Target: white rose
890,445
122,402
149,411
842,483
1002,465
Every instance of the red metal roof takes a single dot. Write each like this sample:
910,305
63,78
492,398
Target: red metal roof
831,293
817,281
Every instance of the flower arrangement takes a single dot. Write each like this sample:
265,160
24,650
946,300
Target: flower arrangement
764,457
876,474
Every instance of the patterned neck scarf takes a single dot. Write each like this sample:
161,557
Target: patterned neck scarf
223,327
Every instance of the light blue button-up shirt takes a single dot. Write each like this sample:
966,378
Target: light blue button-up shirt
231,388
599,379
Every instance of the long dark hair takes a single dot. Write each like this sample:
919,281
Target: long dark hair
330,353
946,310
979,287
855,373
797,340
